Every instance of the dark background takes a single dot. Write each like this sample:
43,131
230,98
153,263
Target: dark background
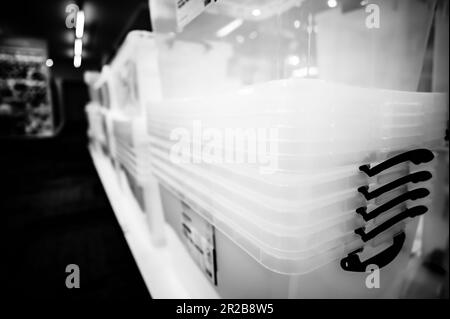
55,208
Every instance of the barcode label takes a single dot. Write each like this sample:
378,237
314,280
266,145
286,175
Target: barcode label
199,237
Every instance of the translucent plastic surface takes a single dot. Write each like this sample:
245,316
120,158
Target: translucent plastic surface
224,207
134,75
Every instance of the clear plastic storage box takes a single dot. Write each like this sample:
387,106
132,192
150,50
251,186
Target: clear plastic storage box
294,211
127,84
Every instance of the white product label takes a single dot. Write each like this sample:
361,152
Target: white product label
200,241
188,10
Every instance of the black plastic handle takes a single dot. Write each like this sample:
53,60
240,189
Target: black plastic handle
411,212
353,263
421,176
411,195
417,156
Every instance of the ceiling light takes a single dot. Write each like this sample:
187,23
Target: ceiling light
293,60
77,61
230,27
78,46
79,28
49,63
332,3
256,12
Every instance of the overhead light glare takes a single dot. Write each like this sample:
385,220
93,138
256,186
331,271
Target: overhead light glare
230,27
256,12
77,61
78,47
79,27
332,3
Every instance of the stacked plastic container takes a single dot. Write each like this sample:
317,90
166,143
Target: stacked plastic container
300,214
288,211
95,127
104,113
134,80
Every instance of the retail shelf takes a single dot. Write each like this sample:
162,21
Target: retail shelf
168,271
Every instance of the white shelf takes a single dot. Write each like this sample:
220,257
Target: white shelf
168,271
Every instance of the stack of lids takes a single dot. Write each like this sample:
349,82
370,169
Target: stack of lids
280,167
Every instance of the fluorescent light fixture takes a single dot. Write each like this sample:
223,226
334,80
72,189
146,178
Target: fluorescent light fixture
77,61
256,12
79,27
253,35
332,3
78,46
230,27
49,63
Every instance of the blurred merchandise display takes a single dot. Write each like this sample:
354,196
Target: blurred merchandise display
25,99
